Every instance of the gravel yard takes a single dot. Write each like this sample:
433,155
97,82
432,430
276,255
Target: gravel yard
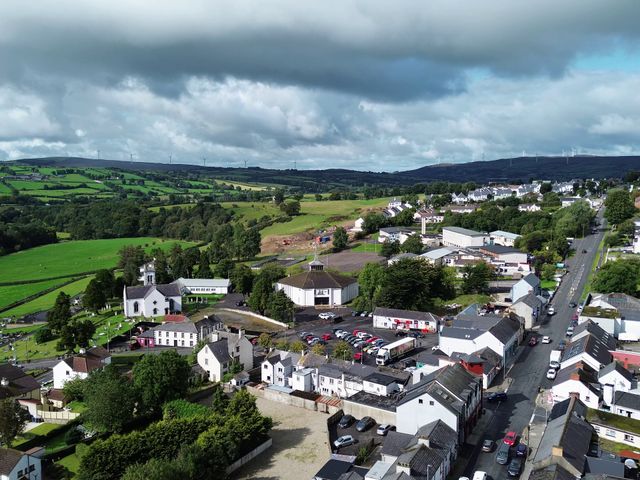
300,444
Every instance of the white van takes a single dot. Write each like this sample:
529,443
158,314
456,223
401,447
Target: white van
480,475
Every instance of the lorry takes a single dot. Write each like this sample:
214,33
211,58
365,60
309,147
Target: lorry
395,350
554,359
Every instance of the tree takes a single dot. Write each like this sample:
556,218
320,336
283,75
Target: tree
223,268
342,350
548,271
219,399
204,267
77,333
131,257
265,340
297,346
319,349
13,419
107,282
60,314
74,389
161,378
413,244
95,296
369,280
340,239
246,242
618,206
280,307
241,278
374,222
110,400
43,335
475,278
282,344
291,208
278,196
620,276
405,218
261,294
546,187
390,248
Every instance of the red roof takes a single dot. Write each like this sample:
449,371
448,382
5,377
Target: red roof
175,318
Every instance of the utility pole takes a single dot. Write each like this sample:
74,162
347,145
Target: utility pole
170,158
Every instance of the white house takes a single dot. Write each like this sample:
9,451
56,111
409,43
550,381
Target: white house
578,380
626,404
463,237
437,256
588,350
394,234
206,286
80,366
392,318
152,300
450,394
227,348
562,187
616,313
318,287
428,216
529,207
480,194
178,334
528,284
529,309
17,465
380,384
358,225
278,367
526,189
617,377
459,198
500,237
500,193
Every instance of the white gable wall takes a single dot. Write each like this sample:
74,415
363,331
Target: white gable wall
421,411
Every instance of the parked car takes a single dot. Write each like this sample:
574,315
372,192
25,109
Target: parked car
562,345
346,421
373,339
365,423
384,428
522,450
551,373
357,331
326,315
533,341
326,336
584,250
551,311
401,333
337,330
497,397
364,314
569,331
514,467
304,334
357,356
510,438
355,313
479,475
546,339
502,455
572,304
487,445
344,441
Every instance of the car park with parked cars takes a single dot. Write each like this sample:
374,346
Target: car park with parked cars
488,445
346,421
514,467
344,441
502,455
510,438
365,423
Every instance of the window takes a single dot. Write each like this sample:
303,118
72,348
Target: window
238,349
431,402
32,468
265,366
206,361
628,438
420,401
155,302
279,369
610,433
136,307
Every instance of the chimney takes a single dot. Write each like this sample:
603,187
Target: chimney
575,376
556,451
424,441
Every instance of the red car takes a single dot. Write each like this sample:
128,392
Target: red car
357,356
510,438
356,331
533,341
372,339
326,336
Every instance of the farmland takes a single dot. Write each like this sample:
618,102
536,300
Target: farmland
13,293
71,258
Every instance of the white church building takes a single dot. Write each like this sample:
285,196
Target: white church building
152,300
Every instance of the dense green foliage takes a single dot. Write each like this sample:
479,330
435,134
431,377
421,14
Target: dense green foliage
160,378
13,419
110,400
621,276
619,206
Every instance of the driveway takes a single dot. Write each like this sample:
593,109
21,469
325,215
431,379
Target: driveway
300,444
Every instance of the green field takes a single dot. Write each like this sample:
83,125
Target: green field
13,293
45,302
244,186
70,258
252,210
318,215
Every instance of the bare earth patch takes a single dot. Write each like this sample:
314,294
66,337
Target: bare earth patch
300,444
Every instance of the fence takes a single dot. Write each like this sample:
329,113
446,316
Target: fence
255,315
293,400
249,456
59,418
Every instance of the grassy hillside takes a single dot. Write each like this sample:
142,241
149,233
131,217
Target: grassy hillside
70,258
13,293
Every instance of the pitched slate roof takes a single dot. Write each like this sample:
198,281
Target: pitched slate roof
409,314
395,443
627,400
170,290
419,459
592,346
531,300
461,333
531,279
505,329
19,382
318,279
498,249
453,378
380,379
615,367
592,327
552,472
9,458
220,350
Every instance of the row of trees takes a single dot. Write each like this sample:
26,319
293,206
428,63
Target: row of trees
191,442
19,231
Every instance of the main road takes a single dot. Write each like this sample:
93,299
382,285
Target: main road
529,371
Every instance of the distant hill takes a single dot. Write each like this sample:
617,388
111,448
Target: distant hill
507,169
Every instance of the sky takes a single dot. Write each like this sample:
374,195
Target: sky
367,85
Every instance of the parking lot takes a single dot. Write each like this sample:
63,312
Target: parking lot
361,438
309,321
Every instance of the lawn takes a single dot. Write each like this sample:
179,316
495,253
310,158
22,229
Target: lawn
40,430
252,210
4,189
548,284
70,258
13,293
242,185
71,463
108,326
45,302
